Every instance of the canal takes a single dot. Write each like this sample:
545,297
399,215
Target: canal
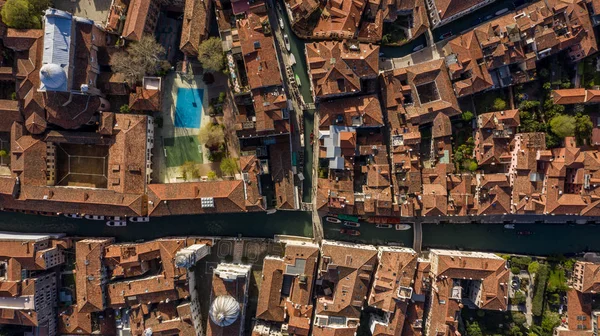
301,69
258,225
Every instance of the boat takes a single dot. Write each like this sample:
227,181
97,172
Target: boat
351,224
502,11
509,226
445,35
402,227
292,59
298,80
524,233
384,220
281,23
278,7
94,217
286,40
419,47
333,220
77,216
350,232
116,223
140,219
384,226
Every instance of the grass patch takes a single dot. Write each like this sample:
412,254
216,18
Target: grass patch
182,149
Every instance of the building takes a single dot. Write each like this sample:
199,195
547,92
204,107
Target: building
494,134
504,51
142,17
392,289
229,297
581,318
473,279
286,290
341,294
196,23
340,68
442,12
28,264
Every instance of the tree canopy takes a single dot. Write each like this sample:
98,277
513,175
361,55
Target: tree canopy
229,166
583,128
211,135
499,104
211,54
563,125
23,14
141,58
467,116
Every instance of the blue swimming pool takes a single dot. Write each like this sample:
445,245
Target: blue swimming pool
188,109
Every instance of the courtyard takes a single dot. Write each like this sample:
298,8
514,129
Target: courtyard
96,10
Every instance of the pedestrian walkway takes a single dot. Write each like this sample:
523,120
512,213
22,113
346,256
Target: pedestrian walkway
238,251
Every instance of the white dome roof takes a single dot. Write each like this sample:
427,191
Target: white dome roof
52,76
224,310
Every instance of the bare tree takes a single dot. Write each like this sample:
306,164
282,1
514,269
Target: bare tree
140,59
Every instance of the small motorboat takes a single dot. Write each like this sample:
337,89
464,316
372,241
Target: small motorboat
419,47
445,35
402,227
509,226
502,11
286,40
524,233
384,226
281,23
139,219
351,224
116,223
298,80
76,216
333,220
350,232
94,217
292,59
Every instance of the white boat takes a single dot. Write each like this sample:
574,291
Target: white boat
281,23
73,216
286,40
139,219
502,11
333,220
351,224
509,226
402,227
94,217
384,226
419,47
115,218
116,223
292,59
271,211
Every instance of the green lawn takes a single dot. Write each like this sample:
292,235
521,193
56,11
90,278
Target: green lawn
182,149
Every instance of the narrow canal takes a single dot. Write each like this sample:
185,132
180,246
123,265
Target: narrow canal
301,70
260,225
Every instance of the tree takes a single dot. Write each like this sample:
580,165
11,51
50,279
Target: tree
515,331
470,165
3,153
211,175
563,125
518,299
533,267
518,318
583,128
515,270
211,54
23,14
124,109
473,329
212,135
141,58
467,116
540,288
229,166
550,321
189,169
499,104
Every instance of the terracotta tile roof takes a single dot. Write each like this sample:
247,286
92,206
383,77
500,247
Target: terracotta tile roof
396,269
347,269
579,306
70,111
145,100
271,304
337,68
280,160
236,288
73,322
486,269
163,319
441,126
449,8
416,94
9,109
181,198
586,277
270,107
89,269
352,111
342,20
139,13
575,96
258,50
196,17
149,289
88,38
